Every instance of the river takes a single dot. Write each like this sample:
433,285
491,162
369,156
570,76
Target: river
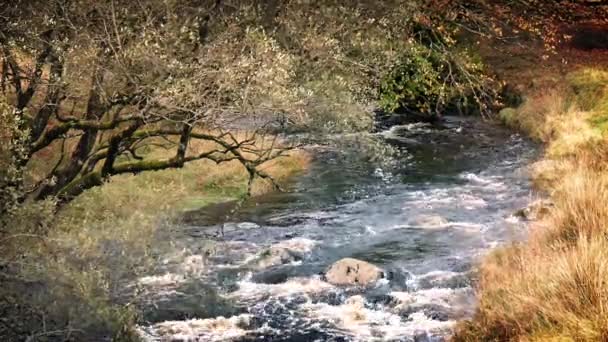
425,217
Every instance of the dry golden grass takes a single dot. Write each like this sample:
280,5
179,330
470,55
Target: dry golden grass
554,287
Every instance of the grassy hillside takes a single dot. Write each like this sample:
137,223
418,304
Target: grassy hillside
553,287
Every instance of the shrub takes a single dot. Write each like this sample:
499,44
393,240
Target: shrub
433,80
12,149
415,83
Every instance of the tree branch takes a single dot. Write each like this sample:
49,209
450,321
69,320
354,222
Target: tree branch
25,97
73,123
52,100
114,148
95,178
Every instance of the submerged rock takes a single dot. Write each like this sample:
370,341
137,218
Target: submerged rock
430,221
535,210
442,279
252,293
349,271
285,252
212,329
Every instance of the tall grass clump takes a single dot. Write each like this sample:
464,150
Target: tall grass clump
553,287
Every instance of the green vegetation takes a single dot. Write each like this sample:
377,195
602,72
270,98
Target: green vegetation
104,239
568,116
414,83
590,93
430,80
118,116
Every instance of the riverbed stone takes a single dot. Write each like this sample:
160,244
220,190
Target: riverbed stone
285,252
535,210
349,271
430,221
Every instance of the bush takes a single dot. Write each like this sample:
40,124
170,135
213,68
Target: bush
434,80
12,149
415,83
78,264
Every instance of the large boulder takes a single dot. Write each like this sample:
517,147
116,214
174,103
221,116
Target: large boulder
349,271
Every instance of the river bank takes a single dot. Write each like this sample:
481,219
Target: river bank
552,287
101,241
112,234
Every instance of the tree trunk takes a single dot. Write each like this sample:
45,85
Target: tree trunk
95,111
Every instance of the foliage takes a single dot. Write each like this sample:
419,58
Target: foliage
11,153
120,93
434,75
414,84
156,73
79,265
198,70
161,89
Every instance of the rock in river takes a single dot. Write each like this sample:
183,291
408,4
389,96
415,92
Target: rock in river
535,210
349,271
430,221
285,252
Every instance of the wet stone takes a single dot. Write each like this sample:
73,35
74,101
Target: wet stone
331,298
382,300
282,273
353,272
433,311
430,221
284,252
273,276
412,223
191,300
398,278
535,210
453,281
423,336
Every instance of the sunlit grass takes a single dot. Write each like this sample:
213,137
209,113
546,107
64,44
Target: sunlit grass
110,234
554,287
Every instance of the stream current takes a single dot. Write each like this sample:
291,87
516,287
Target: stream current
426,219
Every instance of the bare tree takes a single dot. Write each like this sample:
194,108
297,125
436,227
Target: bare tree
95,83
98,82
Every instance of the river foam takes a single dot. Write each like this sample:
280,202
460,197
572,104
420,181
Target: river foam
218,329
424,221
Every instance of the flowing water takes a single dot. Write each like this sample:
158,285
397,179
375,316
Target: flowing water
425,219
